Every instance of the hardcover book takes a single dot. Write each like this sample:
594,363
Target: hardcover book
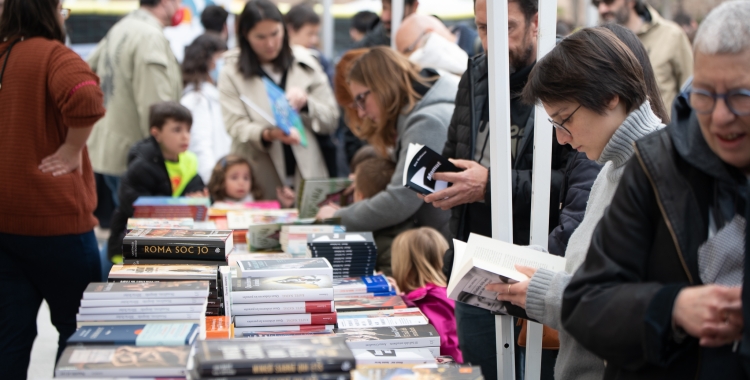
285,320
381,318
175,289
422,164
123,361
282,289
406,356
361,285
177,244
316,193
391,337
283,308
282,267
157,334
358,302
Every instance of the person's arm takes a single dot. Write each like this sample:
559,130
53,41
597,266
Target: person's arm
321,104
151,81
237,121
201,133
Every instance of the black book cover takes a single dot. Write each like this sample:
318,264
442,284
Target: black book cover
423,163
215,302
168,250
307,376
214,311
302,355
343,238
173,261
344,249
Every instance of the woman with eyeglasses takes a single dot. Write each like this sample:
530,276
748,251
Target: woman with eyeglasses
266,59
594,90
399,104
49,102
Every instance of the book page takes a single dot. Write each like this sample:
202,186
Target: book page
410,153
459,248
505,255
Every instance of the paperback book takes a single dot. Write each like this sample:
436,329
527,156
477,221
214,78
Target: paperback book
391,337
142,309
165,243
417,373
140,317
381,318
160,207
283,308
405,356
219,327
123,361
172,223
282,289
140,302
361,285
285,320
176,289
157,334
316,193
282,267
422,164
283,330
359,302
163,272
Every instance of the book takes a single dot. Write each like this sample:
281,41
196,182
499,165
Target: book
143,309
285,319
161,207
242,219
173,262
165,243
283,308
264,237
316,193
220,208
214,311
421,165
282,289
312,354
306,376
164,272
219,327
225,273
361,285
358,302
283,330
165,334
406,356
140,317
174,289
484,261
123,361
381,318
417,373
287,334
352,240
391,337
282,267
141,302
285,117
174,223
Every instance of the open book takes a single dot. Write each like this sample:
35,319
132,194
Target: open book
421,165
482,261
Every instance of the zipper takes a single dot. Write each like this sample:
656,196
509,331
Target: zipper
664,214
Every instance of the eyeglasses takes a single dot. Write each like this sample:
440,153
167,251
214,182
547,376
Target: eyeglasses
704,102
65,13
413,46
360,99
559,126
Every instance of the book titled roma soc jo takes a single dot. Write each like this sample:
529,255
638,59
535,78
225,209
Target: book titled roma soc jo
165,243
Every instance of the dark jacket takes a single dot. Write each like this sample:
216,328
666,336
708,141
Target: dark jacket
645,250
376,37
472,93
146,176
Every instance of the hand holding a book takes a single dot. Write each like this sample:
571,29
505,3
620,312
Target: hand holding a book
469,185
285,195
327,211
272,134
514,293
711,313
297,98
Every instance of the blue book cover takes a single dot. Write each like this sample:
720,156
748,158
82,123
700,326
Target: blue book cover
365,284
170,201
152,334
286,117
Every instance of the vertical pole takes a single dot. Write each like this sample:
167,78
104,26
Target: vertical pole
502,199
328,26
592,14
541,178
397,14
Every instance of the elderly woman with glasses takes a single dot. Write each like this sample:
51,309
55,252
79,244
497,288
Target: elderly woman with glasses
398,104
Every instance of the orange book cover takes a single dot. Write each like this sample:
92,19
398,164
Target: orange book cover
219,327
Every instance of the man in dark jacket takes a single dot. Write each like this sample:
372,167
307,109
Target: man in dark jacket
660,295
381,34
470,196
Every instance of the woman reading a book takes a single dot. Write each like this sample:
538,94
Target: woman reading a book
594,89
399,104
273,98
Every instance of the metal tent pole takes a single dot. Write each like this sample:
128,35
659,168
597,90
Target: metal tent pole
328,27
397,14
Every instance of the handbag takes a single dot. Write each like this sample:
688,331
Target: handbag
550,337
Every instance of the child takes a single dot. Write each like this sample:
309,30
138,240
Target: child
372,176
159,165
417,269
232,181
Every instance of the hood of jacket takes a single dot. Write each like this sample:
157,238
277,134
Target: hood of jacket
442,92
147,150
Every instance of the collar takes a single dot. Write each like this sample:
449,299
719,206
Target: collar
639,123
655,21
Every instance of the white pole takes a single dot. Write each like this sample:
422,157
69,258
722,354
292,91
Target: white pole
592,14
328,24
397,14
541,177
502,199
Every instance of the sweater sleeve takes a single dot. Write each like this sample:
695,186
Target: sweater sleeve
544,296
74,89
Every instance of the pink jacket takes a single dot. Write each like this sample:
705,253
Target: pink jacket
433,301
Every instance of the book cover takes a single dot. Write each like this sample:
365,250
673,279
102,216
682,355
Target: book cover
361,285
138,302
286,118
123,361
225,273
313,354
165,334
410,356
166,243
359,302
381,318
417,373
285,320
283,330
315,193
142,309
219,327
391,337
283,308
164,272
172,223
282,267
171,289
141,317
422,164
282,289
350,239
263,237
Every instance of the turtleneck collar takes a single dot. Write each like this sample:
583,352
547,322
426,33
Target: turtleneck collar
639,123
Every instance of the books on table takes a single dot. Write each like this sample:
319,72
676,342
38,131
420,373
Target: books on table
163,272
391,337
293,238
148,243
157,334
274,268
282,289
407,356
361,302
123,361
361,285
421,165
352,254
303,307
381,318
169,207
484,261
116,291
316,193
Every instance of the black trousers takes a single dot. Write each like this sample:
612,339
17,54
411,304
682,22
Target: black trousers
32,268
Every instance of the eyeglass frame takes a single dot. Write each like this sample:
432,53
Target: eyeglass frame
360,99
557,125
411,48
725,96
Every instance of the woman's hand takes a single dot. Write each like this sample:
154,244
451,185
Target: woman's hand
285,195
711,313
327,211
272,134
65,160
514,293
297,98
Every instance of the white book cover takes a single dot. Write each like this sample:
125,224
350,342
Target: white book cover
143,309
143,302
226,281
421,165
109,361
485,261
323,294
282,308
239,332
398,356
140,317
285,267
381,318
284,320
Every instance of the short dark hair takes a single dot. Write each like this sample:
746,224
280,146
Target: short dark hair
589,67
160,112
365,21
214,18
528,7
31,18
300,15
150,3
197,56
373,176
682,19
254,12
406,2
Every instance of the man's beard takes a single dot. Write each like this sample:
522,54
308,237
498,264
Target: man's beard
521,57
620,16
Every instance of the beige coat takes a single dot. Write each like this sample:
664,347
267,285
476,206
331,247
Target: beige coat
245,125
137,68
670,53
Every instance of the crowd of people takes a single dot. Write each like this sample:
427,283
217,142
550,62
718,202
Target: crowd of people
649,186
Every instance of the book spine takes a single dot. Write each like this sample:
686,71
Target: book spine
361,289
258,273
214,312
145,295
173,261
396,343
138,317
309,376
141,302
141,309
311,307
353,323
211,283
279,366
225,274
295,295
137,248
241,331
284,320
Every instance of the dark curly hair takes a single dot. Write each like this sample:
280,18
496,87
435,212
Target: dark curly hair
216,185
197,57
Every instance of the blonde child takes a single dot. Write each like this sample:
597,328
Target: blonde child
417,259
232,181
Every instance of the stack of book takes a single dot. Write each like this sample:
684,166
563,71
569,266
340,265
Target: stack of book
442,372
177,246
117,303
421,337
128,361
240,221
289,295
175,223
293,238
315,357
375,285
352,254
169,207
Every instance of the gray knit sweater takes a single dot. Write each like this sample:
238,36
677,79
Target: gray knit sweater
544,297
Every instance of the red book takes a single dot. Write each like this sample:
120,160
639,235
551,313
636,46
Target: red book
302,307
285,320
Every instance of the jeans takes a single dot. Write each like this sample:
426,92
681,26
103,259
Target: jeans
32,268
113,183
